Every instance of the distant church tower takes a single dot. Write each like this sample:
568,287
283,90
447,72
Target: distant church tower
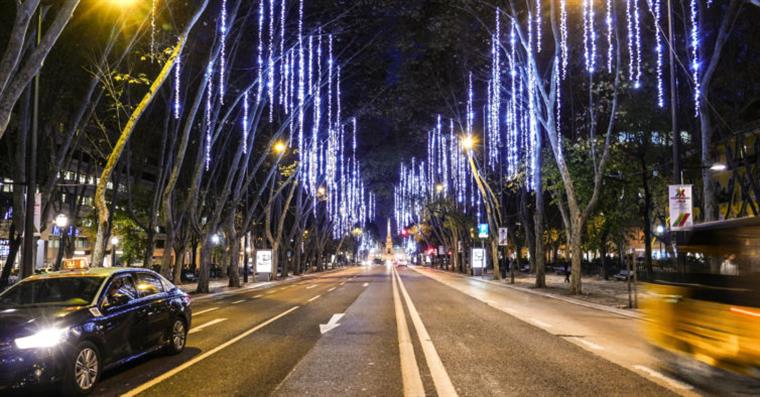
388,240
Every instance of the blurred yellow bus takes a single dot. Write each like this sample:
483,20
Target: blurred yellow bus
704,313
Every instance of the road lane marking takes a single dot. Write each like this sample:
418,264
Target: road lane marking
187,364
200,328
205,311
591,344
365,284
314,298
540,323
441,379
258,296
410,372
331,289
238,301
332,324
657,375
343,283
311,286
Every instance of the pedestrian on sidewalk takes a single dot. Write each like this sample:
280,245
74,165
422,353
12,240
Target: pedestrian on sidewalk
567,273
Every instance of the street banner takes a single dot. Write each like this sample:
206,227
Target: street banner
441,250
478,258
483,230
503,236
681,206
264,261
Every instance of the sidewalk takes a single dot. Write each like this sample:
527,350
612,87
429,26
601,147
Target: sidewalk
597,292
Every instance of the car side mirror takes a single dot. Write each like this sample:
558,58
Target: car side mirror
116,300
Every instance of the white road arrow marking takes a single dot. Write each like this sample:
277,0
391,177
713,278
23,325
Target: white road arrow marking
332,324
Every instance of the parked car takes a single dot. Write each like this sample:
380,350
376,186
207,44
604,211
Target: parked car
68,327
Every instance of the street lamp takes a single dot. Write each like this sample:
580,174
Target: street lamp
279,147
215,239
468,142
718,167
114,243
61,221
438,187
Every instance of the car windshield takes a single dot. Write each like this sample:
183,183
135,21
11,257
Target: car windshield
55,291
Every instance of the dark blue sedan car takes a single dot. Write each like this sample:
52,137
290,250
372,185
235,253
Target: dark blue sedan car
68,327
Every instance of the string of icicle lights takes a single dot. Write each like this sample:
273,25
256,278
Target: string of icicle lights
510,104
294,86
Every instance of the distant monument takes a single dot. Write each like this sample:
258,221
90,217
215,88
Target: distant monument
389,241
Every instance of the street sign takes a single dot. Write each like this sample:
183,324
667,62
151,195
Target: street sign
264,261
483,230
681,206
478,258
503,236
441,250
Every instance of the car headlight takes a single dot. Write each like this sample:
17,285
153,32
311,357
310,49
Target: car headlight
47,337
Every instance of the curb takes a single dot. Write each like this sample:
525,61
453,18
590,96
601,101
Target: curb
622,312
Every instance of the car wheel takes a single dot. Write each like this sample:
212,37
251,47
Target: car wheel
82,370
177,337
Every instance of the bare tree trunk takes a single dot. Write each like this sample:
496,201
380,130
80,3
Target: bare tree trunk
126,133
12,84
203,273
575,241
538,218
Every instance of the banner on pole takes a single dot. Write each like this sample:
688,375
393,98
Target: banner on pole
681,204
503,236
483,230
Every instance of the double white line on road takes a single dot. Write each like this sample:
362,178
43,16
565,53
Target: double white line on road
410,371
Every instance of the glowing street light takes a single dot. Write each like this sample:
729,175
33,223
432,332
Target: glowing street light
718,167
114,243
61,220
279,147
216,239
438,187
468,142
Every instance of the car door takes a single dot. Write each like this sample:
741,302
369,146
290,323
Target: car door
154,310
116,323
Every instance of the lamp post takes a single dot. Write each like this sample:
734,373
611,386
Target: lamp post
114,243
61,221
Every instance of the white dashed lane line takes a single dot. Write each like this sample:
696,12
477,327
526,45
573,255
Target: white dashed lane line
311,286
205,311
205,325
331,289
314,298
238,301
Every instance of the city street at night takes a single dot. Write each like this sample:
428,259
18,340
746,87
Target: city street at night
379,198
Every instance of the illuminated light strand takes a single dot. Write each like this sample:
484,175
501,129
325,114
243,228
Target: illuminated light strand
209,94
177,81
282,36
694,41
637,30
658,49
301,82
270,62
563,37
631,40
608,21
558,120
223,55
586,35
538,26
592,34
260,58
245,122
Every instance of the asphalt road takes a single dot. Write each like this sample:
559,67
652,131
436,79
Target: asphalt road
390,335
